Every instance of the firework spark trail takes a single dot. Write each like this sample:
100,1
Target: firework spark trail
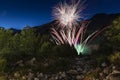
70,36
80,47
79,33
97,34
75,37
90,36
59,38
64,36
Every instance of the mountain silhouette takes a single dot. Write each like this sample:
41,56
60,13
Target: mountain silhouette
98,21
102,20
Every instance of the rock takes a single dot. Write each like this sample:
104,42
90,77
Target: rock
102,76
115,71
77,59
21,64
63,75
85,71
115,76
46,77
30,70
36,79
23,77
73,72
45,64
113,67
56,77
40,75
32,61
116,68
79,63
79,77
30,76
103,64
52,78
79,69
59,73
18,62
106,71
17,74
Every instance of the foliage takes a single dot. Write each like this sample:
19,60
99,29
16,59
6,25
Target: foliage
3,78
28,41
93,74
64,51
2,64
29,44
114,58
113,35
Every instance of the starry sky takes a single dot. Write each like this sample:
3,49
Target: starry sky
20,13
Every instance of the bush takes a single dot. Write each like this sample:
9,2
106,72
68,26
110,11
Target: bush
2,65
112,35
28,44
93,74
64,51
114,58
3,78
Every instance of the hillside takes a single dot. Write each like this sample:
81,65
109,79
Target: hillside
29,54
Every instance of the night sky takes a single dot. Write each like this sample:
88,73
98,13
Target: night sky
20,13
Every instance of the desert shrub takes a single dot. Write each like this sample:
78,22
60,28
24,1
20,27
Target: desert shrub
45,48
28,41
64,51
114,58
112,35
98,58
3,64
18,46
28,44
93,75
3,78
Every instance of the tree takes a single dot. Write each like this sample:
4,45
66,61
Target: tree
5,36
28,41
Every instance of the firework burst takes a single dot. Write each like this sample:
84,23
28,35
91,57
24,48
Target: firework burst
68,14
68,32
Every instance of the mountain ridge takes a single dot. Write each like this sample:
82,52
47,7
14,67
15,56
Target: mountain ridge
100,20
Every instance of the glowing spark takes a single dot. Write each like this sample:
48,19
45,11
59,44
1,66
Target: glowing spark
68,14
79,48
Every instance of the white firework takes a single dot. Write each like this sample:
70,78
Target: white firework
68,14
